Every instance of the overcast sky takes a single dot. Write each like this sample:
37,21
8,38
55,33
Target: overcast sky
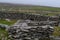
55,3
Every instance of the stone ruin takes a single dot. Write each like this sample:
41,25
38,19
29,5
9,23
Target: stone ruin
29,30
29,16
37,26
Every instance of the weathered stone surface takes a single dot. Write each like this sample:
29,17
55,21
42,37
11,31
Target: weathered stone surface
27,32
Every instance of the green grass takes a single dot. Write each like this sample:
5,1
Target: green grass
7,22
35,9
3,34
56,31
32,8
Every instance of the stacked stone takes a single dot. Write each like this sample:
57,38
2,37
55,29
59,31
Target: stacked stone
4,15
16,33
33,17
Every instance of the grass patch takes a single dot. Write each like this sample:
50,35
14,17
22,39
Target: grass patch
7,22
56,31
3,34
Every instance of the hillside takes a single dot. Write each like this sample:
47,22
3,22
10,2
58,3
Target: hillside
22,8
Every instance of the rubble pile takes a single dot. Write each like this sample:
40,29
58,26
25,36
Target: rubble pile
30,32
36,17
28,16
23,16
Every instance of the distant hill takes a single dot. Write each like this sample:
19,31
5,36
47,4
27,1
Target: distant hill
11,4
29,5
